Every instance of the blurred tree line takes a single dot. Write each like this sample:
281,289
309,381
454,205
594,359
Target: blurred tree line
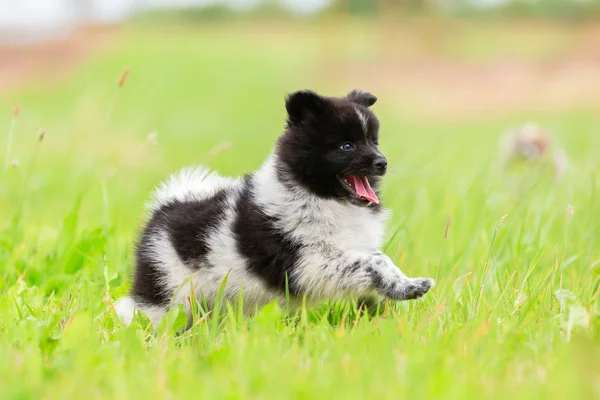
508,8
562,9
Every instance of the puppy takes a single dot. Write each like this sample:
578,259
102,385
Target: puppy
308,223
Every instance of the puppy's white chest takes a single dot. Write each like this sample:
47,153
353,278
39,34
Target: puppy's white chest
367,234
345,227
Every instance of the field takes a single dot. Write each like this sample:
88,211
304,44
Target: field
516,311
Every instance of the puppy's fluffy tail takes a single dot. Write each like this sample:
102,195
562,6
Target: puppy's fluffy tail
189,184
125,309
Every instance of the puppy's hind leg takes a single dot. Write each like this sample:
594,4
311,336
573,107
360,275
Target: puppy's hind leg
127,307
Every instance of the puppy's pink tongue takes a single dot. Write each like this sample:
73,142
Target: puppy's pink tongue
363,188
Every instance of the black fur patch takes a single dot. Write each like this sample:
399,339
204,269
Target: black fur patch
376,278
146,283
310,150
365,99
188,225
270,254
351,269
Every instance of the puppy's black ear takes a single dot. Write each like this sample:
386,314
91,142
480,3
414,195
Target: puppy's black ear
304,105
365,99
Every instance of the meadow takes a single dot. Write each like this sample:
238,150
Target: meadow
516,255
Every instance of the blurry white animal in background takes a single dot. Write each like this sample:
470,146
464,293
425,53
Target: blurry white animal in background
532,144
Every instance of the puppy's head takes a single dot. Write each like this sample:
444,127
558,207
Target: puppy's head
330,146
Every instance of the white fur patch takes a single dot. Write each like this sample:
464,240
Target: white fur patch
125,309
192,183
175,271
362,118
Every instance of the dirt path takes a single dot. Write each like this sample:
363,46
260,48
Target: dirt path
452,88
41,62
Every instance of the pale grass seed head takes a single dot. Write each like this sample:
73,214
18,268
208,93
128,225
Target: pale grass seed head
152,138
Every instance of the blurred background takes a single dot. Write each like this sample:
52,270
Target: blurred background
126,91
439,56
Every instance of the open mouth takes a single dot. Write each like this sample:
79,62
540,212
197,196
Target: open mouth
359,187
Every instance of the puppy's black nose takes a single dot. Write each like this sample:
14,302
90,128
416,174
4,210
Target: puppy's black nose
380,163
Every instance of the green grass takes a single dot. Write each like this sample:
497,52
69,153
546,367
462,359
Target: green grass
515,312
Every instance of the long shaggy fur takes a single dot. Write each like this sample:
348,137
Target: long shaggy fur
294,225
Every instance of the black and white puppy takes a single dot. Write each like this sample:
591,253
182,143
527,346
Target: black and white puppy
309,221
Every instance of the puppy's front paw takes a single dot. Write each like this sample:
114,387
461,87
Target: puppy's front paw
417,287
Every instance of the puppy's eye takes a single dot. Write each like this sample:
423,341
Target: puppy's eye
347,146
